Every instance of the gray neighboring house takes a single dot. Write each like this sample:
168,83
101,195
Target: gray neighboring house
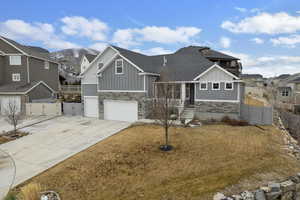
119,83
26,74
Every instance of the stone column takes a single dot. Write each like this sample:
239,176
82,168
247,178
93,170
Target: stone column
182,93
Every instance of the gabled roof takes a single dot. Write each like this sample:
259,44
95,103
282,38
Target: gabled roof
37,52
183,65
17,88
90,57
205,52
296,80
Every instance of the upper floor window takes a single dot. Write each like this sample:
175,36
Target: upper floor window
14,60
215,86
16,77
119,66
46,65
203,86
228,86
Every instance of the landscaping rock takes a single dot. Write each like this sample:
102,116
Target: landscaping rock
274,187
287,186
287,195
260,195
246,195
219,196
237,197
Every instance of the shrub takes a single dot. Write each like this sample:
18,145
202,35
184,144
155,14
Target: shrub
31,191
234,122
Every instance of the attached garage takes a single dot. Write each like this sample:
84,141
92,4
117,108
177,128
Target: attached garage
91,106
121,110
6,100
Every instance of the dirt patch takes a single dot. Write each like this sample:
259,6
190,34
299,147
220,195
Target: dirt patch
9,136
249,100
204,160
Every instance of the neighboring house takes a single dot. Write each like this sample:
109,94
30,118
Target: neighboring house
26,74
119,83
254,84
86,61
290,93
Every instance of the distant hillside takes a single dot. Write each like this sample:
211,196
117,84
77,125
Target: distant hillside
70,60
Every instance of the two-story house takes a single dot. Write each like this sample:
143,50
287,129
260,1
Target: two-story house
119,83
290,93
26,74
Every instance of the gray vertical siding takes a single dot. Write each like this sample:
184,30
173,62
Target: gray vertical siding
39,73
39,92
149,85
129,80
2,69
89,89
12,69
242,92
221,94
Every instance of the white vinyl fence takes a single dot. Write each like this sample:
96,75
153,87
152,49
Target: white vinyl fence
257,115
49,109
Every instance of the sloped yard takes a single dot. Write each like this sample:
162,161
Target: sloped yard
205,160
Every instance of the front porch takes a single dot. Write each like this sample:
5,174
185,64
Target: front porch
183,93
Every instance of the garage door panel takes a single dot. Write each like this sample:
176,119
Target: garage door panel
121,110
91,106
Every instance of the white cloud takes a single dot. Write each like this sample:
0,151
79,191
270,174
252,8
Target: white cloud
98,46
163,35
154,51
268,66
298,11
91,28
258,40
225,42
289,41
241,9
265,23
40,32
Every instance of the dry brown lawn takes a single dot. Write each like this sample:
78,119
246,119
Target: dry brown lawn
4,140
252,101
205,160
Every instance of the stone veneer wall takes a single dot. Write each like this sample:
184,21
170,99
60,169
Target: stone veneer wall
216,110
140,97
286,190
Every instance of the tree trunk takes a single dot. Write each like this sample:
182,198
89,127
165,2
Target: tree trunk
167,135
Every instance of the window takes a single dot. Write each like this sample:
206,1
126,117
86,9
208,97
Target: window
285,93
215,86
16,77
228,86
119,66
14,60
203,86
46,65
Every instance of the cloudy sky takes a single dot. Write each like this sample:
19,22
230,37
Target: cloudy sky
265,35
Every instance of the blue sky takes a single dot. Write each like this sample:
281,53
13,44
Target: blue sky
265,35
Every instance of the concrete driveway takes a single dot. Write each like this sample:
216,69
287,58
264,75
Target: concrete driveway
55,140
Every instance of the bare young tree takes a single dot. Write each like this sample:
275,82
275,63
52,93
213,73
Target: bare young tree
13,115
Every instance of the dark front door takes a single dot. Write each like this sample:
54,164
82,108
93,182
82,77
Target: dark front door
192,93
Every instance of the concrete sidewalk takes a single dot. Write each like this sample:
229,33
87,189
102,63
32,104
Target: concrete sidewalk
55,140
7,173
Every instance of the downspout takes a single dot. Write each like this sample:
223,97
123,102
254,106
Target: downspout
28,74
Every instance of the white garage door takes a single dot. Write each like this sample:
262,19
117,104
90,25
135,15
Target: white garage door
121,110
6,100
91,106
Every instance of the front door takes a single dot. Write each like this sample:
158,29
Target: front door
192,93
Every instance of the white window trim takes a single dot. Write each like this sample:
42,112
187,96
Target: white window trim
116,61
206,83
46,65
10,60
212,85
231,84
16,77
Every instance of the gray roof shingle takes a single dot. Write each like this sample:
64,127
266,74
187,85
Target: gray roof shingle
31,51
183,65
